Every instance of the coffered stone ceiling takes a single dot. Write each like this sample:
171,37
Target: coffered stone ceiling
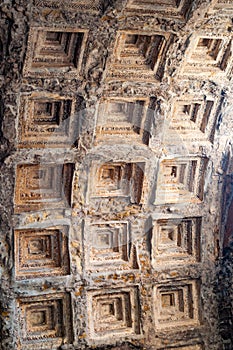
116,148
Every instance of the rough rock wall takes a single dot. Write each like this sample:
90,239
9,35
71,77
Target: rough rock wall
115,124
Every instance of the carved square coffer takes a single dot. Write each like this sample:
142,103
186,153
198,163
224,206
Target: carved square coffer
181,180
54,51
44,321
177,304
93,6
113,313
41,186
194,118
208,57
166,8
124,119
41,252
107,243
46,120
176,240
139,56
117,180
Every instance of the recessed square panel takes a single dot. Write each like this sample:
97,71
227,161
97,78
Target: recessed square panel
138,56
208,56
176,304
113,312
41,252
43,186
123,119
53,51
181,180
194,119
44,320
46,120
107,243
117,179
176,239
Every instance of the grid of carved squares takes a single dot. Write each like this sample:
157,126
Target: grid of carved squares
43,319
49,115
52,52
115,312
41,252
111,313
136,56
170,240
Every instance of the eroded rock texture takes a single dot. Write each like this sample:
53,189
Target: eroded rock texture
116,174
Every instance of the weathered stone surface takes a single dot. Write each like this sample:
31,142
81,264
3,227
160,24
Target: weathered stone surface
116,175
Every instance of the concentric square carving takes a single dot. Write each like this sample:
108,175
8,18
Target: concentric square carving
80,5
124,119
208,56
168,8
176,240
45,321
113,313
181,180
42,186
46,120
177,305
54,51
117,180
107,243
41,252
194,118
138,56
